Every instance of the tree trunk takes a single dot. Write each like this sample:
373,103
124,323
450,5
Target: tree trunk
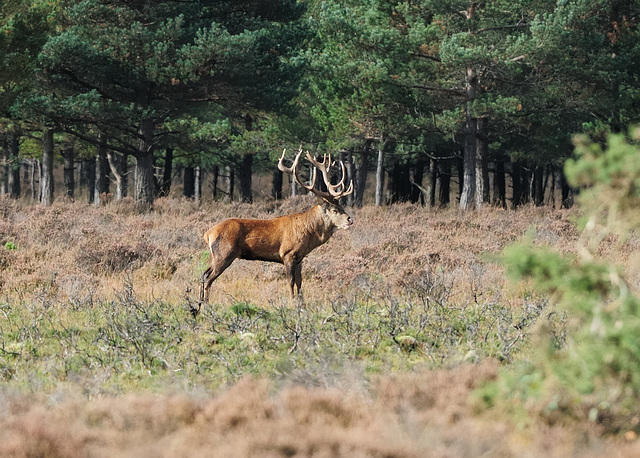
361,179
499,186
216,175
144,180
144,173
26,167
14,173
124,171
276,184
468,193
567,198
444,183
459,165
548,183
102,177
516,183
563,191
197,185
69,171
88,177
231,184
380,174
400,183
244,175
395,189
554,201
33,172
482,169
4,167
526,185
118,166
46,178
189,182
431,187
416,195
165,186
538,186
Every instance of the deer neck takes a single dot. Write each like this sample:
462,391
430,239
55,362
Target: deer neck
316,226
324,228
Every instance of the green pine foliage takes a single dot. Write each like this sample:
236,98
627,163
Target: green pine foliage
596,374
610,176
335,75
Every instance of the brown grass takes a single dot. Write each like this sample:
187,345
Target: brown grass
83,253
411,415
75,244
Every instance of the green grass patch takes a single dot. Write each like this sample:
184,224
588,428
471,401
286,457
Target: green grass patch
128,344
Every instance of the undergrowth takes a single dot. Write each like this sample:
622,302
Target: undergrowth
103,297
595,378
130,343
409,311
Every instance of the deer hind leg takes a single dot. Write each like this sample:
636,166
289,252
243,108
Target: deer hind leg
203,278
219,264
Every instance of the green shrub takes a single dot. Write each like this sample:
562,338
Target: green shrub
597,373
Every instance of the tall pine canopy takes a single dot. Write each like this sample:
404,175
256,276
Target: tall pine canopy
119,73
487,89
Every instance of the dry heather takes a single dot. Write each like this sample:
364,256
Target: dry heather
79,336
84,250
413,415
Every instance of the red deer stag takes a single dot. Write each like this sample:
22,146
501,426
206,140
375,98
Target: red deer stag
287,239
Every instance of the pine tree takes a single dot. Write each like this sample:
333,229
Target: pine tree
128,70
24,28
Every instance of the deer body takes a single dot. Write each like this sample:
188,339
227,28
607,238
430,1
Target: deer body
286,239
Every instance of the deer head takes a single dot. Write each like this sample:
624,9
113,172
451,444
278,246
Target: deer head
333,212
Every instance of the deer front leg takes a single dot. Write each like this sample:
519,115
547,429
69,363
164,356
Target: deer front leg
298,277
292,269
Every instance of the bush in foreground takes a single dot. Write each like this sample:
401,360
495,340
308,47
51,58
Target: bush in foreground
596,375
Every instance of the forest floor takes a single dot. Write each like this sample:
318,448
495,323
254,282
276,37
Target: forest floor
406,317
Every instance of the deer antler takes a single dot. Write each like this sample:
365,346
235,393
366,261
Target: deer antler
333,192
337,190
291,169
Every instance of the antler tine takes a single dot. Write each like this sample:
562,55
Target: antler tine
343,192
338,190
281,165
293,170
322,166
334,191
294,165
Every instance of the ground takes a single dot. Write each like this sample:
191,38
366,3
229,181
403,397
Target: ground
406,317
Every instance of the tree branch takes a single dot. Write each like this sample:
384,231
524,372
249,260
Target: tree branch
94,141
503,27
424,87
426,56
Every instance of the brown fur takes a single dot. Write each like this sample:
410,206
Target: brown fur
287,240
